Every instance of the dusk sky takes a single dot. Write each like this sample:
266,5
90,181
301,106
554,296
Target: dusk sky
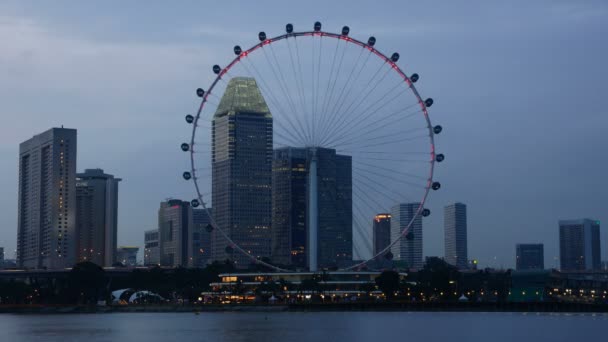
518,87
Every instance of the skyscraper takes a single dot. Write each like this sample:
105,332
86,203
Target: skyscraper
409,248
530,256
381,232
201,237
47,200
152,247
127,255
175,232
96,217
579,245
290,191
242,172
455,235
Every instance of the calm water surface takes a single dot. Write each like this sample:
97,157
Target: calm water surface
317,326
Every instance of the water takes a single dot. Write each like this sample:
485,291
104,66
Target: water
296,326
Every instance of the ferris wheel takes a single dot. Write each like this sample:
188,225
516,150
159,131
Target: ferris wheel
305,139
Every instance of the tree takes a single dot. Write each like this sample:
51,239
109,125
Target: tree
388,282
87,282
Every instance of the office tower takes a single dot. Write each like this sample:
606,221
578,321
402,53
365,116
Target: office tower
290,191
382,232
201,237
530,256
47,200
1,257
409,247
151,247
127,255
455,235
579,245
96,217
175,228
242,172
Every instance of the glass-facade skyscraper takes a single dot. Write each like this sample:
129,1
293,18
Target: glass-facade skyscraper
579,245
46,236
381,232
529,256
409,247
290,191
455,235
242,172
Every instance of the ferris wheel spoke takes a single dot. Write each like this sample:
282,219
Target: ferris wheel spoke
369,173
384,143
308,128
362,230
332,113
331,85
369,184
299,85
362,136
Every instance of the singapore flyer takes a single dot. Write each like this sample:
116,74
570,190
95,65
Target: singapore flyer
313,150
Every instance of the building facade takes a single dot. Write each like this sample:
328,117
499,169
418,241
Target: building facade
201,237
96,217
381,232
409,247
151,247
579,245
175,228
529,256
455,235
242,172
127,255
46,234
290,193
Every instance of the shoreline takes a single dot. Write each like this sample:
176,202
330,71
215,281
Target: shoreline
539,307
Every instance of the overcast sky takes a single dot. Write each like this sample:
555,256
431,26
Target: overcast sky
519,88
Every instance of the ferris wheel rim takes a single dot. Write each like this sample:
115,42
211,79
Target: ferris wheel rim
316,33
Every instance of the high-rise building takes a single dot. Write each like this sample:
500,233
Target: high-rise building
529,256
46,235
96,217
290,191
152,247
242,172
409,247
1,256
201,237
455,235
381,232
579,245
127,255
175,228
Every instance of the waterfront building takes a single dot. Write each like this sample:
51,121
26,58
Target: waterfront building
290,199
455,235
529,256
242,172
46,236
409,247
175,228
201,237
127,255
152,247
96,217
579,245
381,232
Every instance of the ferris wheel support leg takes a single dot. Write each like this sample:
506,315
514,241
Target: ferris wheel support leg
313,214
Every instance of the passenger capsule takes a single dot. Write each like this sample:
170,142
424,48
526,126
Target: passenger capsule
388,255
262,36
187,175
185,147
237,50
371,41
345,30
317,26
189,118
289,28
200,92
209,228
426,212
414,78
428,102
195,203
437,129
439,158
409,236
436,186
229,249
216,69
395,57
